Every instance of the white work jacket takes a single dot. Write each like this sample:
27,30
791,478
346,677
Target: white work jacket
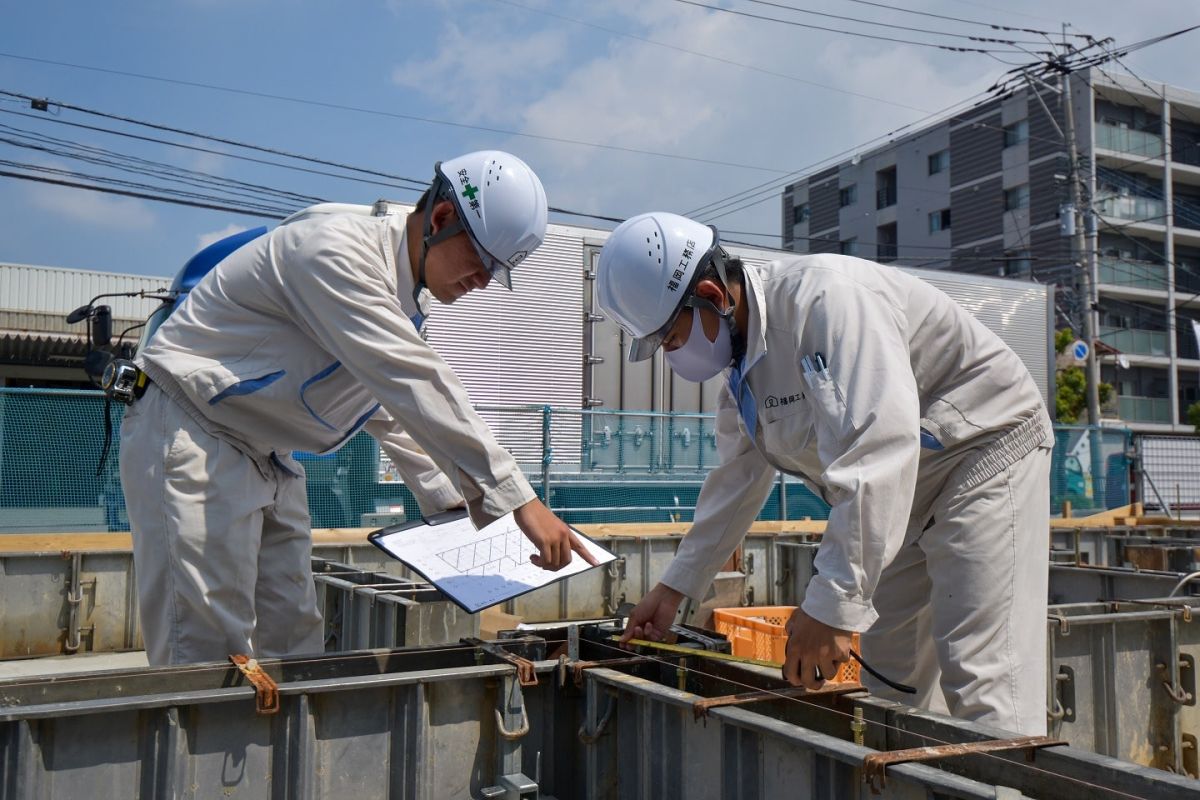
909,375
300,338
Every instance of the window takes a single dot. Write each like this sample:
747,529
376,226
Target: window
800,214
1016,197
885,243
885,188
848,195
939,220
939,162
848,247
1016,133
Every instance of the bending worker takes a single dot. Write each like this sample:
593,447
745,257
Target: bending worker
917,425
294,342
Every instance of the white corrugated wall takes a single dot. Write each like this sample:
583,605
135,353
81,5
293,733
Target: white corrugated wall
55,290
522,347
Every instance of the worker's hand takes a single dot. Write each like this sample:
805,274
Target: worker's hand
813,646
652,618
553,539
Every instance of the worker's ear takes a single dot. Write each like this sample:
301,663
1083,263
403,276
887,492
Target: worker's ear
444,213
711,291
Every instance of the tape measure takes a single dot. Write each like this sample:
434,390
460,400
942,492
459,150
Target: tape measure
691,651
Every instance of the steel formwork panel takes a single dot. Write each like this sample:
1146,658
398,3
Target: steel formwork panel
428,724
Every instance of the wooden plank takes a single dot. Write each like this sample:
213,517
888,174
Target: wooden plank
120,542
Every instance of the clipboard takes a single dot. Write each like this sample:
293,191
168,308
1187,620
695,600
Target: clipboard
476,568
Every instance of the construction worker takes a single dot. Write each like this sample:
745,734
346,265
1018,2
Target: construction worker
918,426
295,341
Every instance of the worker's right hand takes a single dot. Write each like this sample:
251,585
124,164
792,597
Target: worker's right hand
652,618
553,538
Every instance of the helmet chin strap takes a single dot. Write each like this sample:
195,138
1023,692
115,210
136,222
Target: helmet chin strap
437,193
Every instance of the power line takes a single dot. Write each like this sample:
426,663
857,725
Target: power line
891,25
1005,11
140,195
769,187
381,113
992,25
232,142
947,47
136,185
103,157
198,149
708,56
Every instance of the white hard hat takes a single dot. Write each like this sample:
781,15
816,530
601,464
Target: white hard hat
645,274
501,203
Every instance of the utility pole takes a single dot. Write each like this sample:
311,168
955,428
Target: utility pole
1085,259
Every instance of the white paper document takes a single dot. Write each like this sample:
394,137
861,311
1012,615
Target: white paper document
477,568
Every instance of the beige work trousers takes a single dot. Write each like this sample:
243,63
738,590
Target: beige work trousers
221,550
962,607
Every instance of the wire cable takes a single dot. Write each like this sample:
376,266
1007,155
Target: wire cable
709,56
992,25
890,25
139,195
371,111
222,153
947,47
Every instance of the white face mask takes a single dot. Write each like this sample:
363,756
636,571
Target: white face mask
699,359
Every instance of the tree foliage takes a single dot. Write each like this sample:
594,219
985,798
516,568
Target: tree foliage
1070,400
1193,416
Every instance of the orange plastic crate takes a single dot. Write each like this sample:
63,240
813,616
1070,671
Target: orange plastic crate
759,633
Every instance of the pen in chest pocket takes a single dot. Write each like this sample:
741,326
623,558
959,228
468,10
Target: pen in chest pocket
814,366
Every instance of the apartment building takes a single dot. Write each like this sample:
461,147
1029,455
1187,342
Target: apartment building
983,192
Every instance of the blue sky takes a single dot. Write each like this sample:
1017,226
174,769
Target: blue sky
790,98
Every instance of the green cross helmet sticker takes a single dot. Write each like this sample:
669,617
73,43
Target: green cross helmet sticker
470,191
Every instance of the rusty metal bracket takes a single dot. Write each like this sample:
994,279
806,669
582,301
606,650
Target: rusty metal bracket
1180,605
875,765
1179,692
526,671
590,737
580,666
266,693
700,708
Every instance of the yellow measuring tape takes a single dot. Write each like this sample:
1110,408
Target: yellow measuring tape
689,651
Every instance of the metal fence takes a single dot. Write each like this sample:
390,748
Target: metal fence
1170,474
589,465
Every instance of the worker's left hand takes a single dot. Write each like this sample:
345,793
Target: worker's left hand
812,646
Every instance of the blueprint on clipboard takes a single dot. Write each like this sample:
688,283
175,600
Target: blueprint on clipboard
477,568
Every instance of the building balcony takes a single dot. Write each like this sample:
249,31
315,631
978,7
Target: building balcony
885,197
1135,341
1133,207
1144,409
1125,140
1133,274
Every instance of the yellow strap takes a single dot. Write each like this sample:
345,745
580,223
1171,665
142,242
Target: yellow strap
688,651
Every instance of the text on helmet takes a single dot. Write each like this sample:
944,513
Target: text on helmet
689,249
470,192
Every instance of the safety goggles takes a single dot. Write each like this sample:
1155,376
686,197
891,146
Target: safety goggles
496,268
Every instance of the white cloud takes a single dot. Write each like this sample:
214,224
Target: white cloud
552,78
211,163
479,75
205,239
93,208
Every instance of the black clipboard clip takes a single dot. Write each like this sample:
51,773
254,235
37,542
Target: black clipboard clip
440,518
